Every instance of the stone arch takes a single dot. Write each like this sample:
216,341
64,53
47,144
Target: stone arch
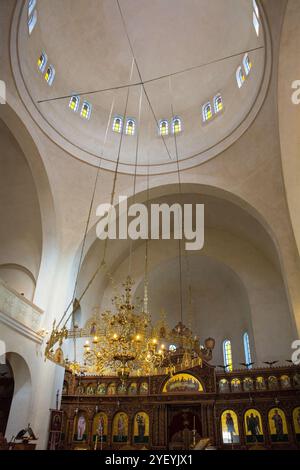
20,409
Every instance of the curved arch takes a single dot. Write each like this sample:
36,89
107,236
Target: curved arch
12,118
20,410
26,280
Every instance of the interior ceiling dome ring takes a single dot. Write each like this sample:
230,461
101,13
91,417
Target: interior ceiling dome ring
177,81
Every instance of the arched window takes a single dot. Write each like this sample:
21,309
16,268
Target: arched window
240,77
172,348
86,110
163,127
206,112
227,355
255,8
176,125
130,127
247,64
50,74
74,103
256,23
117,124
42,62
32,20
247,349
218,103
31,6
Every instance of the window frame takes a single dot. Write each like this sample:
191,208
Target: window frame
50,80
128,121
76,108
121,124
247,349
227,355
174,119
205,118
32,21
89,111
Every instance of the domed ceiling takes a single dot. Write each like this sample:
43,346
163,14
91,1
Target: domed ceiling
185,54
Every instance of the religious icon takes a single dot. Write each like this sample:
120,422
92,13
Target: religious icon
296,420
101,389
80,389
277,425
272,382
122,389
120,427
223,386
112,389
132,390
260,383
80,428
56,421
296,380
90,390
100,427
285,381
248,384
141,428
183,383
65,388
253,426
235,385
144,388
230,428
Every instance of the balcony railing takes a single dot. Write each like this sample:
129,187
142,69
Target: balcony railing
17,307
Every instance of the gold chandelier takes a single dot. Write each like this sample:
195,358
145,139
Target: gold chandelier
125,343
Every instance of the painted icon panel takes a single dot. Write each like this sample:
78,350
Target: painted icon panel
141,428
230,427
183,383
120,428
277,425
100,427
296,421
253,426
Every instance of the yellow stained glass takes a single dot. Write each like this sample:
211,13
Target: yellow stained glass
117,125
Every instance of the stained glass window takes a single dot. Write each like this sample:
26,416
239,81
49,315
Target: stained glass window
74,103
42,62
256,23
163,128
247,349
50,74
206,112
176,125
117,124
32,20
31,6
227,355
255,8
240,77
247,64
130,127
218,103
86,110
